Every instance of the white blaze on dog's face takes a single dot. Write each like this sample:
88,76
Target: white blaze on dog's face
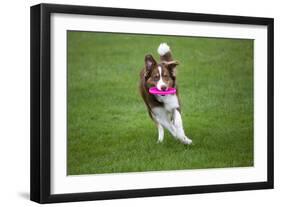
162,75
162,83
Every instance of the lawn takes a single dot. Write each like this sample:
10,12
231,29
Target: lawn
109,129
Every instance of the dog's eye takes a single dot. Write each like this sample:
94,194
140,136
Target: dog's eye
156,78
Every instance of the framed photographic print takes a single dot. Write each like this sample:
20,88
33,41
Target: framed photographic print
133,103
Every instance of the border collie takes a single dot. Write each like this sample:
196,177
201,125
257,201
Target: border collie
163,109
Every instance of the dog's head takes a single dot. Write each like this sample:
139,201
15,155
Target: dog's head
161,75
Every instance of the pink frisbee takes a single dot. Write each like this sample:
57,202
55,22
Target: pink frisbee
155,91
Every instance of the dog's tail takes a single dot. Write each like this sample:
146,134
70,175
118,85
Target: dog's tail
165,52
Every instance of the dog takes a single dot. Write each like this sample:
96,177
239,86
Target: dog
163,109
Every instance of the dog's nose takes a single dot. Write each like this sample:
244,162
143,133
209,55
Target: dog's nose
163,88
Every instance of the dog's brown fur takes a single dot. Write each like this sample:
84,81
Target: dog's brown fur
150,71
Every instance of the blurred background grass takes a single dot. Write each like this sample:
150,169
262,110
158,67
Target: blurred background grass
109,129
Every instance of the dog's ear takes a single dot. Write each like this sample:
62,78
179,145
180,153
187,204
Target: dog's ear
150,63
171,65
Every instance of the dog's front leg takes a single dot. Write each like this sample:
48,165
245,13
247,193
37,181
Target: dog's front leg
162,118
177,122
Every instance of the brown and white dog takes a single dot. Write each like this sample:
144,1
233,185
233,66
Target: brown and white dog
164,110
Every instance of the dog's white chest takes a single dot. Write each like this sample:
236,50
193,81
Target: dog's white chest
170,101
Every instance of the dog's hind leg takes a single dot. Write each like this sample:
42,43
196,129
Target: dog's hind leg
160,133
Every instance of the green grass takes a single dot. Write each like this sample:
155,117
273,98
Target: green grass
109,129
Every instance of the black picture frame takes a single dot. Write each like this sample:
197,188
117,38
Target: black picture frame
40,184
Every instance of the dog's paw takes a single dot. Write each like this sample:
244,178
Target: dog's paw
159,141
186,140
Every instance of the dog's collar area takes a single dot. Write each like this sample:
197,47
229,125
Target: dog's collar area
162,94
